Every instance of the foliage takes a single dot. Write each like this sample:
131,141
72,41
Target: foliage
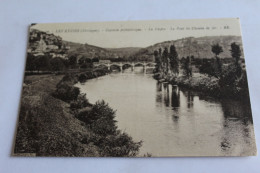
66,92
30,62
186,66
72,60
216,49
174,61
56,64
207,68
42,63
95,59
120,145
86,65
165,55
80,102
235,51
45,63
113,142
102,118
233,81
217,66
157,60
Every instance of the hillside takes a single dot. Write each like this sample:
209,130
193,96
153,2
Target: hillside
125,51
197,47
42,43
91,51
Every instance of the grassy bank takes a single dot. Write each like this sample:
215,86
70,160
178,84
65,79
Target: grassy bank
57,120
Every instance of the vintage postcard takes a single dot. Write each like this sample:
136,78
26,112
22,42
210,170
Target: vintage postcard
135,89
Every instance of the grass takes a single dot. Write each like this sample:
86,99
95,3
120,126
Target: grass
46,126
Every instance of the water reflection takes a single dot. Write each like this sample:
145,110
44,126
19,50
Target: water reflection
166,94
236,121
175,97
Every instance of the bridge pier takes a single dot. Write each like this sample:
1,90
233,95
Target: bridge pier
144,67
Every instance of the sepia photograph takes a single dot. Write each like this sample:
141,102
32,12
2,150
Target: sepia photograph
165,88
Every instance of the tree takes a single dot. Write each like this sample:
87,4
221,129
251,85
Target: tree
235,51
30,62
160,51
57,64
216,49
95,59
207,68
72,60
42,63
157,60
174,62
186,66
165,59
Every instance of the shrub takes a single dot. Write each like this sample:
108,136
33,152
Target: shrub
82,78
69,78
66,92
113,143
233,81
120,145
81,102
100,118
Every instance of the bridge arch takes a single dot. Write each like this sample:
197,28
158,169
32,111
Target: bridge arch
150,64
115,65
123,64
102,65
138,64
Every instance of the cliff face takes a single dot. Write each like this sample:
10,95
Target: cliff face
42,43
197,47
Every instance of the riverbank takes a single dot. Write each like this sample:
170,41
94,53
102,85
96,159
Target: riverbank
229,85
57,120
201,83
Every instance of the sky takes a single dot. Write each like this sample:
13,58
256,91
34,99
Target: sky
140,33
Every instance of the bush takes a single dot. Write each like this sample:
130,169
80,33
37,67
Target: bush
120,145
69,78
66,92
100,118
82,78
81,102
113,143
233,81
57,64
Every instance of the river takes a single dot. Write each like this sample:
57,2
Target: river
172,121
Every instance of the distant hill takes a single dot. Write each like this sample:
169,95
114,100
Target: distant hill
91,51
197,47
125,51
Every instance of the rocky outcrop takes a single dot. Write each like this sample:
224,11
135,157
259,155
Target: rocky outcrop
42,43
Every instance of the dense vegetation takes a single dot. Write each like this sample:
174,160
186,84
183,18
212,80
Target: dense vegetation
225,80
98,118
65,123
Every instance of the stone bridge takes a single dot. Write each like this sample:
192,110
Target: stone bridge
122,64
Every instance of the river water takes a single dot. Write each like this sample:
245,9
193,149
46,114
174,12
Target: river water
172,121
